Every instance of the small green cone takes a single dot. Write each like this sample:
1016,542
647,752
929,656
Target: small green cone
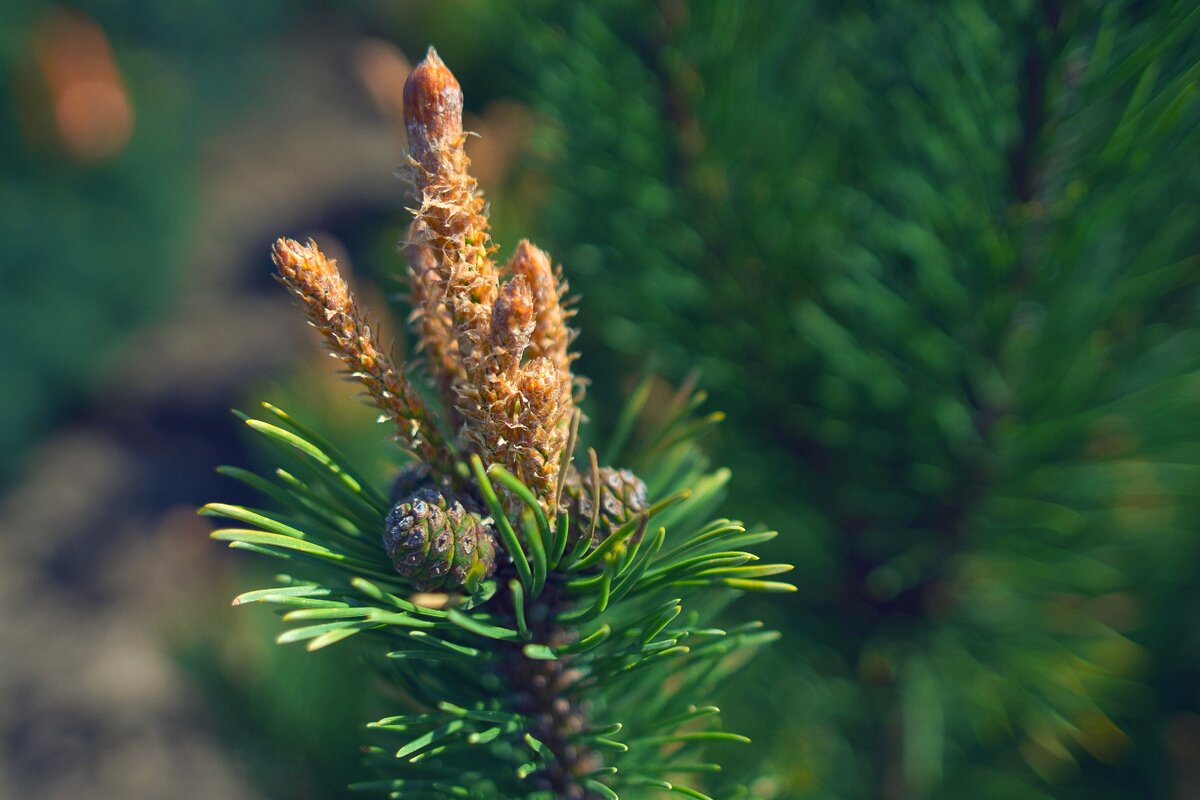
438,543
622,497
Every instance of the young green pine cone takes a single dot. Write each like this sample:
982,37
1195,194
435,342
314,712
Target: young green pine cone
437,543
622,497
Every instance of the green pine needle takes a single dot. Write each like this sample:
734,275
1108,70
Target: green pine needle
612,614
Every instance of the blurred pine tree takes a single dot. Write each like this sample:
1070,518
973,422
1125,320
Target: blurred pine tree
940,267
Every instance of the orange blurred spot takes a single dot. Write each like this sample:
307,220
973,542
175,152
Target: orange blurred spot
1101,737
383,69
90,105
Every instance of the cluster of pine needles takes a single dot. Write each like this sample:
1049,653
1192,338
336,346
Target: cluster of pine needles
547,620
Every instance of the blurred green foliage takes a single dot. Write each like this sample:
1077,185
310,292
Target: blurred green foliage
276,712
940,269
93,246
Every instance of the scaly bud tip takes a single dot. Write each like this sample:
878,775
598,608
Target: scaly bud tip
433,104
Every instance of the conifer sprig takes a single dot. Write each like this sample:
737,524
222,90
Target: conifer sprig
542,657
563,672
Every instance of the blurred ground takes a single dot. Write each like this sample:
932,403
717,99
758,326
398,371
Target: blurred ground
100,548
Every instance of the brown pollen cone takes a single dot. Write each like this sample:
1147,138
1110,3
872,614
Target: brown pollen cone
492,407
330,309
450,219
509,365
551,336
542,429
450,222
434,325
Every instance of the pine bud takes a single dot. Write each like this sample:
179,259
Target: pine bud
438,543
551,336
622,497
512,323
433,103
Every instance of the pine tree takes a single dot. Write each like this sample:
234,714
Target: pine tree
939,265
544,625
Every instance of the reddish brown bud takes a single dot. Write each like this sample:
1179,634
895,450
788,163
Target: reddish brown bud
512,320
551,336
433,103
288,253
305,270
511,328
509,412
530,260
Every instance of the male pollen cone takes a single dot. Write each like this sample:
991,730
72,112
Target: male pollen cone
433,103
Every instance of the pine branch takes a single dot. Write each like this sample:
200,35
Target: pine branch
522,677
551,624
